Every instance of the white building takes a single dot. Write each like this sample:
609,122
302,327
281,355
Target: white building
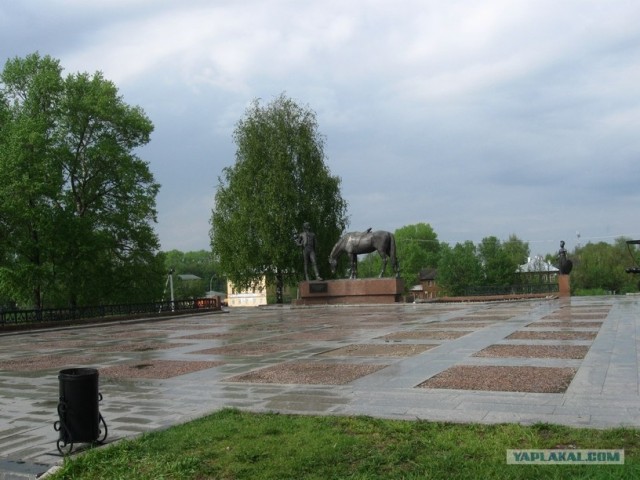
253,297
538,268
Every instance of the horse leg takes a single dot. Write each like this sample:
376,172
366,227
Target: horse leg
384,265
354,266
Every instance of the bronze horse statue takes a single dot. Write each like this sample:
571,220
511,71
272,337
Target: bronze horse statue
355,243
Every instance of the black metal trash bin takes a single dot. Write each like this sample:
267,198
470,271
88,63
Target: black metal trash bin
78,408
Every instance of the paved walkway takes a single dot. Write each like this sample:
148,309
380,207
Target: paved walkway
379,351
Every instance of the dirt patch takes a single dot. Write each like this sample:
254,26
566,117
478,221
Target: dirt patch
56,345
136,347
570,316
551,335
108,334
44,362
312,336
534,351
480,317
457,324
258,348
156,369
427,335
308,373
568,324
210,336
378,350
503,379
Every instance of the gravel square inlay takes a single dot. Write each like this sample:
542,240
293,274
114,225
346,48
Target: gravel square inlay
311,336
551,335
480,317
43,362
451,324
156,369
209,336
503,379
569,324
378,350
136,347
576,316
308,373
426,335
258,348
55,345
534,351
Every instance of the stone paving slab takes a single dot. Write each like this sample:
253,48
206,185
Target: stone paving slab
603,393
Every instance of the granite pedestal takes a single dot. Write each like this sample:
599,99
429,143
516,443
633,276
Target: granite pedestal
564,285
359,291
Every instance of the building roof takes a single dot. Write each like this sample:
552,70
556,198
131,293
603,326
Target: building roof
537,264
189,276
428,274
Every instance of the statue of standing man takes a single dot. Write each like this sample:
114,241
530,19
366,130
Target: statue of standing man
565,265
307,240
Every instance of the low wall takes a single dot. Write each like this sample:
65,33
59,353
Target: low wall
359,291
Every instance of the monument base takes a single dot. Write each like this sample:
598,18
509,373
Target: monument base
564,285
362,291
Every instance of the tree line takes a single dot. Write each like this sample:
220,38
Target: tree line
599,268
280,180
78,206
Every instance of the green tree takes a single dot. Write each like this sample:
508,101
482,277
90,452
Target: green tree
498,266
369,265
108,195
418,248
200,263
517,250
601,267
30,176
459,268
278,182
78,203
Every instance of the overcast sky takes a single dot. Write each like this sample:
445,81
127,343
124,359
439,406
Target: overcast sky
481,118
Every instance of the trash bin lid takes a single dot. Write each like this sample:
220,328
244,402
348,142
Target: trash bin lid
69,373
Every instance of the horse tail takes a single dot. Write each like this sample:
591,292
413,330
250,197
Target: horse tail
337,248
392,252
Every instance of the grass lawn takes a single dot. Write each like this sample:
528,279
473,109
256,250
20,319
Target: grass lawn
231,444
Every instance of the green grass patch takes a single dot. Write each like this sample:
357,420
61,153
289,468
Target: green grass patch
231,444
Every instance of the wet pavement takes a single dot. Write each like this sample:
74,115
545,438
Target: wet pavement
333,360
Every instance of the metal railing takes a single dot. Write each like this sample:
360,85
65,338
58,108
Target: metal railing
60,315
519,289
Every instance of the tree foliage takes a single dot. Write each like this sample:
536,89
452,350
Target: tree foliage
499,268
278,182
418,248
76,204
200,263
601,267
459,268
517,250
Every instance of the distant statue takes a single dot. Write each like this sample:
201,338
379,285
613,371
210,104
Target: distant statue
355,243
564,263
307,240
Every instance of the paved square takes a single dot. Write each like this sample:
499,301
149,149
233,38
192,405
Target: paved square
479,362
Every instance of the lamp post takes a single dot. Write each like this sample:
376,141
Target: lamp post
173,305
